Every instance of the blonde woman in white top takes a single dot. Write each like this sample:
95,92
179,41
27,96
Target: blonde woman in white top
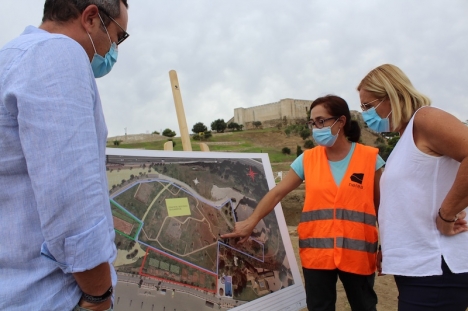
424,193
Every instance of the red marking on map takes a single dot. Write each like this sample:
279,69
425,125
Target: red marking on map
251,174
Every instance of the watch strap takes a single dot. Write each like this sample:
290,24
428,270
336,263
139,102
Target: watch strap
98,299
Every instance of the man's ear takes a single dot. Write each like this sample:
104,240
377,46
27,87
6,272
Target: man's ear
90,18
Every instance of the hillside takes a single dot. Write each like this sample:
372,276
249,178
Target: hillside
270,140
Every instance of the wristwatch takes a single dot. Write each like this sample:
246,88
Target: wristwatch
98,299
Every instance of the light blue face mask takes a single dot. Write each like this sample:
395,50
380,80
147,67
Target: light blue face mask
324,136
103,65
374,121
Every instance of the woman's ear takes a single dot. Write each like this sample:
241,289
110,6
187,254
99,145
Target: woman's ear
343,120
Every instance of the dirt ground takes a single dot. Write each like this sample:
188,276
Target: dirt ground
384,285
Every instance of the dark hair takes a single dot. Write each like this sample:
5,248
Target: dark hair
65,10
337,107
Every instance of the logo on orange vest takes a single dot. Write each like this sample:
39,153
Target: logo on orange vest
357,178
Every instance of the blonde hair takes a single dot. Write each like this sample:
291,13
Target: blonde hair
389,80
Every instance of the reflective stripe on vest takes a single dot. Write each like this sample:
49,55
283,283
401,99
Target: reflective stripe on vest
357,245
317,243
342,214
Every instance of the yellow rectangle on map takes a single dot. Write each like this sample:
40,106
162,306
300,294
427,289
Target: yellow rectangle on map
178,207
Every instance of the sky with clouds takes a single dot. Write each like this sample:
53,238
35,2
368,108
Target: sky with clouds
243,53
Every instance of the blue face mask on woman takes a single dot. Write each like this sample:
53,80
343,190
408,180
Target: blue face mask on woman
103,65
324,136
374,121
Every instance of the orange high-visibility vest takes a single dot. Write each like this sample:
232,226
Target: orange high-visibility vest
338,224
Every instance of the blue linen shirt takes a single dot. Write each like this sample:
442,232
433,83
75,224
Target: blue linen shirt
55,217
338,168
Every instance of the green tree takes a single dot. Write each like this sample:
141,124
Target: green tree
199,128
116,142
218,125
308,144
257,124
169,133
287,131
304,133
233,126
155,132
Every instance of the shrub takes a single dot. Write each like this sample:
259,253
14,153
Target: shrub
257,124
169,133
298,150
304,133
380,141
308,144
202,135
286,150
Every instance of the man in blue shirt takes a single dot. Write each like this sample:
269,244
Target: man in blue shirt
57,235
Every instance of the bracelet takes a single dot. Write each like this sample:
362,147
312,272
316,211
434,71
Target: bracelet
98,299
446,220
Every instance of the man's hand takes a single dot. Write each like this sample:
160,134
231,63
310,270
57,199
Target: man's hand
452,228
96,306
242,229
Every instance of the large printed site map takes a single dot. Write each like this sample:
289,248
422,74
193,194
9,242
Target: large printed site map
170,210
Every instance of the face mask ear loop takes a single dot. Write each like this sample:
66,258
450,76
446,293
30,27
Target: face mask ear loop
389,114
105,28
92,42
379,104
333,124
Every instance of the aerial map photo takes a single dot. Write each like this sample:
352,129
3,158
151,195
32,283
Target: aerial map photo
169,211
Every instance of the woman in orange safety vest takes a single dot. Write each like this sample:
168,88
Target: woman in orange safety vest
337,232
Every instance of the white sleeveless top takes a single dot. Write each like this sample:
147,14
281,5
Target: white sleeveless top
413,186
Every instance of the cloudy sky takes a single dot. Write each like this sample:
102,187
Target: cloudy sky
244,53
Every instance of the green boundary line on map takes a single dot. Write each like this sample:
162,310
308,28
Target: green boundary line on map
115,204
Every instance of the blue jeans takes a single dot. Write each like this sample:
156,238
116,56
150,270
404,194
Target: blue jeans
446,292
